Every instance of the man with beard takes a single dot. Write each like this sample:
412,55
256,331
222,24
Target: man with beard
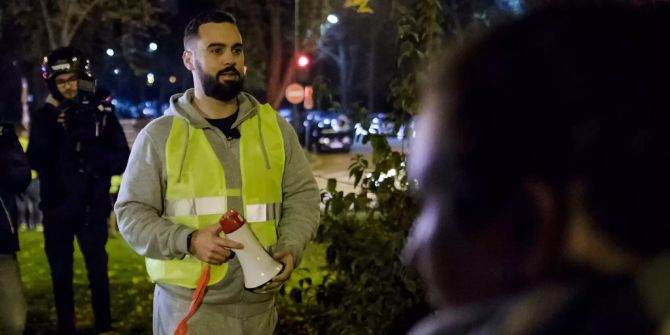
215,149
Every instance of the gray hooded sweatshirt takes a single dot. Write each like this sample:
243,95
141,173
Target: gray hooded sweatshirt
140,202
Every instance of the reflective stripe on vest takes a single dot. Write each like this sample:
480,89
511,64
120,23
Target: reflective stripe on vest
217,205
196,193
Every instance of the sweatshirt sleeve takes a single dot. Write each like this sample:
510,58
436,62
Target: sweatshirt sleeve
139,206
300,207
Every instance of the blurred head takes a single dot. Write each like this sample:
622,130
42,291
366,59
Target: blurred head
214,53
555,123
62,69
10,92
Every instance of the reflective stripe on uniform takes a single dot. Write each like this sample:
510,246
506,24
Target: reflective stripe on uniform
196,206
263,212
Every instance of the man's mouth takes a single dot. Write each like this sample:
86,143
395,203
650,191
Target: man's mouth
229,75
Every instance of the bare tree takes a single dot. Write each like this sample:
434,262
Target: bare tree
31,28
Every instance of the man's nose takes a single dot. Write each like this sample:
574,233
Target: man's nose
228,58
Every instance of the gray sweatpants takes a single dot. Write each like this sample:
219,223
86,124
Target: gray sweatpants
209,319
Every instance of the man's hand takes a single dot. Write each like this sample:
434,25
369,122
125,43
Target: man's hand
209,247
285,258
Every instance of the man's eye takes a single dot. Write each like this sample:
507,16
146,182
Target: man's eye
216,51
237,51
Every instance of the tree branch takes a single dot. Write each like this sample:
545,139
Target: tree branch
81,20
66,21
50,34
324,50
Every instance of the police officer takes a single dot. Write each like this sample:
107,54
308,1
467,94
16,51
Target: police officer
76,145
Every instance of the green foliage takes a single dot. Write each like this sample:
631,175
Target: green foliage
419,36
367,290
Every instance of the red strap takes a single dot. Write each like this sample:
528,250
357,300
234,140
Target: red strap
198,294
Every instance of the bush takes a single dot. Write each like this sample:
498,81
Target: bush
367,290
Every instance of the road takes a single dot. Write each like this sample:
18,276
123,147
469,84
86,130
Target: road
335,165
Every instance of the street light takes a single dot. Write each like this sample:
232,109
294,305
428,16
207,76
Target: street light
172,79
332,18
110,52
150,79
153,46
117,71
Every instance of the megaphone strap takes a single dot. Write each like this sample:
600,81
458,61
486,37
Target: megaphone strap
198,295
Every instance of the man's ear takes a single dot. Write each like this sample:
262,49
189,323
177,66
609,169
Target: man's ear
187,57
547,241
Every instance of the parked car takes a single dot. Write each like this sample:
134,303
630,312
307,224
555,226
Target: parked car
383,124
327,131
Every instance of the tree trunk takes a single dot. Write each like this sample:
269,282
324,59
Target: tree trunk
343,76
372,74
47,25
274,80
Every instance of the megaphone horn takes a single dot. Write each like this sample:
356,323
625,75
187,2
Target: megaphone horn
258,266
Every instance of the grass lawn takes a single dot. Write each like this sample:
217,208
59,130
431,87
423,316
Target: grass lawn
131,290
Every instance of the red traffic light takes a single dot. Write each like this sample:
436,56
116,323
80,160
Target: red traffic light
303,61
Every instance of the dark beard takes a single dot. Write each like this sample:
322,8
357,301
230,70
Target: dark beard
213,88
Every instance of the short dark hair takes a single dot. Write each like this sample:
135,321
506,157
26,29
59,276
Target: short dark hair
562,95
210,16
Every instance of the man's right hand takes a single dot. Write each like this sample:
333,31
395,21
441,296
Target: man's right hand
209,247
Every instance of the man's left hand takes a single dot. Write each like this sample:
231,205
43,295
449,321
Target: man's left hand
285,258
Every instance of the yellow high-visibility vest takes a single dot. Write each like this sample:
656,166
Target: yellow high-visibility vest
197,196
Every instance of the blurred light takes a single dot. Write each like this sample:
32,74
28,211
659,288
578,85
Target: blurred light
346,140
115,102
172,79
110,52
333,19
303,61
153,46
117,71
150,78
326,121
324,140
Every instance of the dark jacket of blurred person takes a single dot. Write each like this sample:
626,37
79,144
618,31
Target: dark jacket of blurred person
543,159
14,178
76,145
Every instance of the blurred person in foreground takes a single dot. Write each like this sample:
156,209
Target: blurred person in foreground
216,148
14,178
543,159
76,145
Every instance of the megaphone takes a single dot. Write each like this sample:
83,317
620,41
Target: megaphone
258,266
